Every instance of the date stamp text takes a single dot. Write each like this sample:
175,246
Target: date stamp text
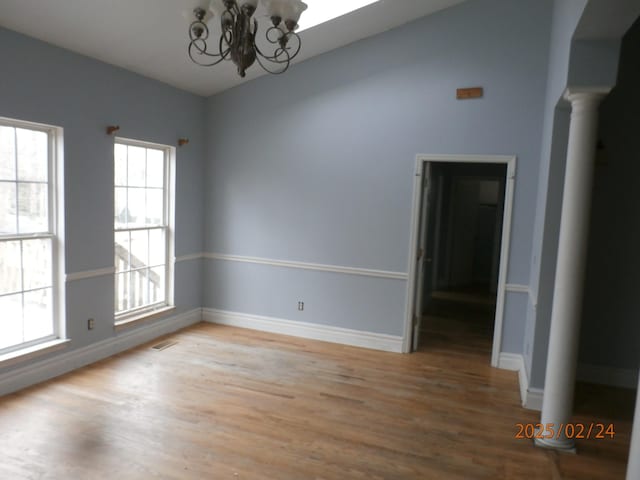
598,431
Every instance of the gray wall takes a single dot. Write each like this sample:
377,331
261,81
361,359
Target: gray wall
611,330
566,15
573,63
317,165
45,84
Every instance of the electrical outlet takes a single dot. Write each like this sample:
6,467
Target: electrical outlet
301,306
91,323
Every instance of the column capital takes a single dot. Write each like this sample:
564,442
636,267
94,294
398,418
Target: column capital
575,94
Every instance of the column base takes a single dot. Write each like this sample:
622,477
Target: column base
564,446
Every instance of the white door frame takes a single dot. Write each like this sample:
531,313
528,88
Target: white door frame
421,159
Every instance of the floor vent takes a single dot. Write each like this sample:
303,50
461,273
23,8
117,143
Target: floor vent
163,345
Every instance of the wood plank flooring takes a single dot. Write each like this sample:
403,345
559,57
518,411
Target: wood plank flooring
227,403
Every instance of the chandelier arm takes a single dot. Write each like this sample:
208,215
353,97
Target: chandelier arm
276,57
284,47
280,55
227,37
282,64
199,34
218,57
202,51
201,48
297,41
270,70
223,53
198,30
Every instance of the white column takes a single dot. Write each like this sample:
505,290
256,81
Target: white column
633,469
564,335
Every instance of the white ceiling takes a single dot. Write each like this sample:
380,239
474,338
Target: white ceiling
602,21
150,37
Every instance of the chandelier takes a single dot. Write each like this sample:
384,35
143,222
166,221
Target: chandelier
237,41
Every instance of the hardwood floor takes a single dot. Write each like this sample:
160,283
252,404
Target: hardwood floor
460,320
231,403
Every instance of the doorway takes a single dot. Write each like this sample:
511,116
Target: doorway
459,251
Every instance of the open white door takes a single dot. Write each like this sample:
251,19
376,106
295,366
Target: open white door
421,261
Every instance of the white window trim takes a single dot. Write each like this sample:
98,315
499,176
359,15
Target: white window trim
132,317
55,145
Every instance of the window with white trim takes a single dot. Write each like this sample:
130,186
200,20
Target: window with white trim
29,286
143,233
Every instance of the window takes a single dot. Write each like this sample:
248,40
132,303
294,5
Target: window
29,288
143,234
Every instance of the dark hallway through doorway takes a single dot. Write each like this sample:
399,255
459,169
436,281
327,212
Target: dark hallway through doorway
459,319
462,245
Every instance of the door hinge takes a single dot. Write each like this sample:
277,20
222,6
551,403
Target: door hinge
420,253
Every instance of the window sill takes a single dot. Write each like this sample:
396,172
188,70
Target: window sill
145,317
34,351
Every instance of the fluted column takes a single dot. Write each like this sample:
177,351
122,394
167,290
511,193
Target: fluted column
633,468
564,335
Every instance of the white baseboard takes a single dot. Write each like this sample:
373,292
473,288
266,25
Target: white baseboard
31,374
357,338
510,361
614,377
531,397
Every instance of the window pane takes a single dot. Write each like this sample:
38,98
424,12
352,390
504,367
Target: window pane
7,154
120,210
38,314
138,292
26,264
10,269
137,170
157,247
10,320
139,249
136,206
122,292
155,207
140,175
156,285
155,168
36,262
122,251
32,155
8,224
33,211
120,171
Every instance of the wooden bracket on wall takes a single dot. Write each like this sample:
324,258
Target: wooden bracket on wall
468,93
183,141
111,129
